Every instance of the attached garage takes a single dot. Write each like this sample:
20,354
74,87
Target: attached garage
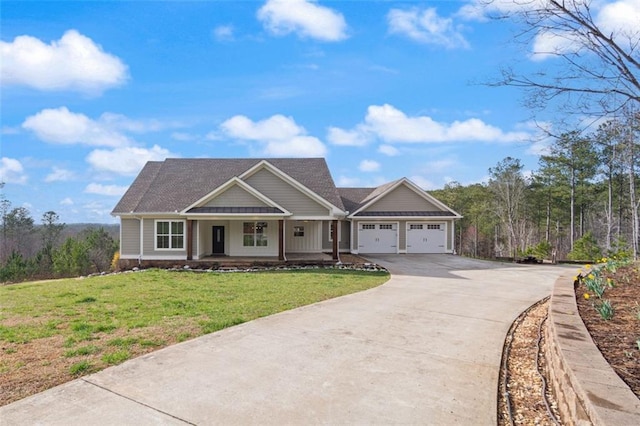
376,237
426,237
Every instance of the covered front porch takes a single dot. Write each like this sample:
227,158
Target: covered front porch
263,238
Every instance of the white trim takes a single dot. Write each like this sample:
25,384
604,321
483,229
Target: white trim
420,192
407,218
129,256
184,235
239,216
431,222
300,187
382,222
227,185
302,218
141,238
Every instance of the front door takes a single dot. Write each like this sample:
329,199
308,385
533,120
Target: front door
218,240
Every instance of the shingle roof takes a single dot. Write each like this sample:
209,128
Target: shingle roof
176,183
352,197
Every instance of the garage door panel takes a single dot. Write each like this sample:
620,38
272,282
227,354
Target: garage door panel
378,238
426,238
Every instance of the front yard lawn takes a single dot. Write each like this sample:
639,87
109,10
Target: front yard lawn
52,332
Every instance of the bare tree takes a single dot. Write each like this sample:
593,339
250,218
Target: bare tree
586,59
508,187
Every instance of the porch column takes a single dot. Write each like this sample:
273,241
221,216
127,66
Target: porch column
189,239
281,239
334,236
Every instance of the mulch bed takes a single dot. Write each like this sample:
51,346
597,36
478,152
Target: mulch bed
616,338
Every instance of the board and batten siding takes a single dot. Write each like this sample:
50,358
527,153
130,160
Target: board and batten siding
129,237
235,197
311,242
289,197
402,199
344,235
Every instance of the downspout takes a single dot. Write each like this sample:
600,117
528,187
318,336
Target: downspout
141,241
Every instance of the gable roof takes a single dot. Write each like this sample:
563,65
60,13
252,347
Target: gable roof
352,197
177,183
356,200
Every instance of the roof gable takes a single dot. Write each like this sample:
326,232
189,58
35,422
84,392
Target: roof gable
235,193
402,198
175,184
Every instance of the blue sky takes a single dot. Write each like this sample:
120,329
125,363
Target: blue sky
93,90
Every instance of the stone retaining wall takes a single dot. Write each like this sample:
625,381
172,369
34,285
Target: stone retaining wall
587,388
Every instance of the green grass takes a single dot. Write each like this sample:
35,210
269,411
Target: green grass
119,316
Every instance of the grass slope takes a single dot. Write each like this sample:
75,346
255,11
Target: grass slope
52,332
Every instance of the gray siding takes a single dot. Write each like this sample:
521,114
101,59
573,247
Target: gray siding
402,199
235,197
346,235
343,244
402,235
149,241
285,195
130,237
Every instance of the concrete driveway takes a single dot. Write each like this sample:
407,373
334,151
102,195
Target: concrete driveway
423,348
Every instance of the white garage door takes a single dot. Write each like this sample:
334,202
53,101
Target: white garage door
377,237
426,238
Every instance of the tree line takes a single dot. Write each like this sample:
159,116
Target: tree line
581,203
39,251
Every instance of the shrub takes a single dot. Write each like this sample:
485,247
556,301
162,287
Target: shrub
585,248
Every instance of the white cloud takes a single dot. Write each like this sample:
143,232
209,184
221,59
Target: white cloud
369,166
277,135
439,166
111,190
74,62
389,124
97,210
127,161
389,150
12,171
423,182
62,126
426,26
303,17
122,122
66,202
356,137
8,130
354,182
620,19
224,33
348,182
59,175
183,137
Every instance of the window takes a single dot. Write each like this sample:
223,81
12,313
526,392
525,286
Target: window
386,226
415,226
368,226
254,234
169,234
298,231
433,226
